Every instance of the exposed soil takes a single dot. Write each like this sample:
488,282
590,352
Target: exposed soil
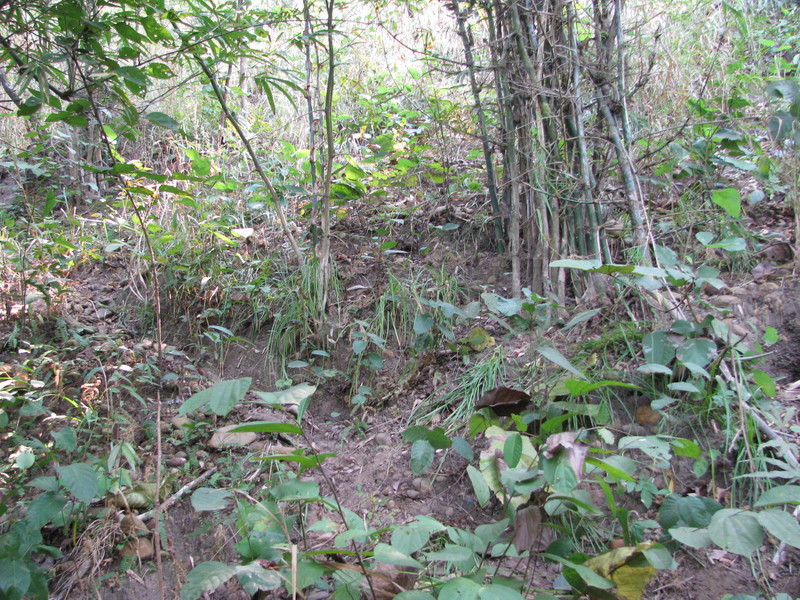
369,469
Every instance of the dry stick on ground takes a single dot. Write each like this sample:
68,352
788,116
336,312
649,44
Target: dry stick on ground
167,504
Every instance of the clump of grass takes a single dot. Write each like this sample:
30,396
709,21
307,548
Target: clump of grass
394,312
459,401
299,320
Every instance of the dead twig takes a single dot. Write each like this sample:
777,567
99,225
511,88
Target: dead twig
179,494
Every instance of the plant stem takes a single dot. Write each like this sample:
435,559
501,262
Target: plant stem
255,160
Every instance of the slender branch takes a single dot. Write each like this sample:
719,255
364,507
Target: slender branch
491,178
254,158
9,89
324,253
159,332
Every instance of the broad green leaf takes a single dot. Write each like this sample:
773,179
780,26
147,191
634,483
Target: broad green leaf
658,348
694,537
580,318
788,89
610,469
512,450
303,461
163,120
589,577
572,263
699,351
666,257
201,167
459,588
206,577
155,31
654,369
508,307
221,398
783,494
658,556
392,556
138,80
15,578
499,592
129,33
684,447
581,388
413,536
80,479
770,336
489,533
737,531
159,70
295,489
422,454
781,524
65,439
463,448
736,163
555,356
651,445
731,244
210,499
25,459
255,578
44,508
689,511
48,484
439,439
423,323
309,572
359,346
765,382
414,433
729,199
696,370
781,125
450,553
683,386
704,237
266,427
655,272
414,595
479,485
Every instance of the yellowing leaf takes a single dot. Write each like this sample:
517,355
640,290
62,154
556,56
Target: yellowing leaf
631,581
616,566
479,339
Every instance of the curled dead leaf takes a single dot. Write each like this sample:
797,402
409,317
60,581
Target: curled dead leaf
527,528
504,401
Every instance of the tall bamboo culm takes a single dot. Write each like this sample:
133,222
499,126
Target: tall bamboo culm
560,94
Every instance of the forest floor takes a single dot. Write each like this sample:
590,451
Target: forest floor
370,464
